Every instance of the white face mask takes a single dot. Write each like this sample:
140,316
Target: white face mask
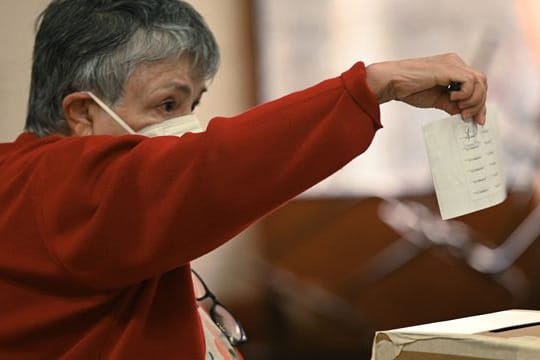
176,126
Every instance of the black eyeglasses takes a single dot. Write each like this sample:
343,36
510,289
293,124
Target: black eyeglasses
221,316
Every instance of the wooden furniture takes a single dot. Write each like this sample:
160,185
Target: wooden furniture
340,269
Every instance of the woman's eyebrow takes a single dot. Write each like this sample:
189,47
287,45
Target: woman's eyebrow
180,86
183,87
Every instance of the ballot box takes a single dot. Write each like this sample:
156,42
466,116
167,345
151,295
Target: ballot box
504,335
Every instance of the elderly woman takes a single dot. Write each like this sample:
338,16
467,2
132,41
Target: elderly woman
114,187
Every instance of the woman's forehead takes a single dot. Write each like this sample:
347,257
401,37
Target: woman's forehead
162,73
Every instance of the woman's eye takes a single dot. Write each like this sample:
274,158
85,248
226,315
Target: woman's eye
168,106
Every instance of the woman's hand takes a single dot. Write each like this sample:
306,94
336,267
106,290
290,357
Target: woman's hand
423,82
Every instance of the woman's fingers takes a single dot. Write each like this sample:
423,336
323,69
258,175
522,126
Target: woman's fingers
471,98
480,117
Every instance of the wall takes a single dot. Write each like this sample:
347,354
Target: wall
16,38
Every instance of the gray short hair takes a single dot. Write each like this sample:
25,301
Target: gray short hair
94,45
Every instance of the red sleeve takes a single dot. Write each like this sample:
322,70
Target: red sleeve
116,210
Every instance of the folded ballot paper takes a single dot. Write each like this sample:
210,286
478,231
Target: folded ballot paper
503,335
465,163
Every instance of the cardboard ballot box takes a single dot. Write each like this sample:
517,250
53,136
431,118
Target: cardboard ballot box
504,335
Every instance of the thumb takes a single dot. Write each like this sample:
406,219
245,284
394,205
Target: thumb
447,105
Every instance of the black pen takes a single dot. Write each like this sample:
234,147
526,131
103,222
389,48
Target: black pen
454,86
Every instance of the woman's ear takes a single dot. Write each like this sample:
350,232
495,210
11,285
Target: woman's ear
77,113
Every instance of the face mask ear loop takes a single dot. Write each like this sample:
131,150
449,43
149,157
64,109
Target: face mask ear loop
111,113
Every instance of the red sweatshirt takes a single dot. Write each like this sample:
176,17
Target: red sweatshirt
97,232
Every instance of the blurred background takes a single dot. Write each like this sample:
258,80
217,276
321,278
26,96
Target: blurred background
365,250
